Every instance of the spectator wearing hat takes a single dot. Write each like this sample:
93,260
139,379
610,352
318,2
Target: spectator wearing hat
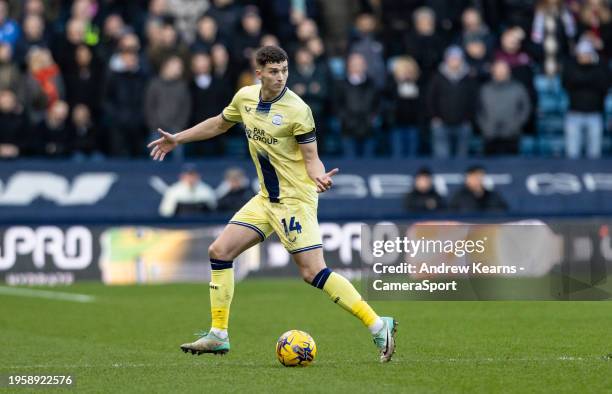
450,102
188,196
587,82
423,197
474,196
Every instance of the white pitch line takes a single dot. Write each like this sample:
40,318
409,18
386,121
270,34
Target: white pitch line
51,295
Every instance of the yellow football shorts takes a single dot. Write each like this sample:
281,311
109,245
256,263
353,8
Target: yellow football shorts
294,221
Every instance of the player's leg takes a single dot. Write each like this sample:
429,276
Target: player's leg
232,241
296,225
248,227
313,269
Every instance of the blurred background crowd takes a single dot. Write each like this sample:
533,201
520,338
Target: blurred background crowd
89,79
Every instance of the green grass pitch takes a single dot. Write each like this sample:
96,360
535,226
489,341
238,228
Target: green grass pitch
127,340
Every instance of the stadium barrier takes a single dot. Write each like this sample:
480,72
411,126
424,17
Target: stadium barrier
125,191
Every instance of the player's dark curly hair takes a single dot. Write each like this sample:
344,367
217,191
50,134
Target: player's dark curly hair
270,54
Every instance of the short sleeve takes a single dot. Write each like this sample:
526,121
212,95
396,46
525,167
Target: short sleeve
231,113
304,126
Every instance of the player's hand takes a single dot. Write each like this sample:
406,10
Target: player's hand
324,182
162,146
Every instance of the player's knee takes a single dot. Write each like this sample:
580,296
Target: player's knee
309,273
219,252
307,277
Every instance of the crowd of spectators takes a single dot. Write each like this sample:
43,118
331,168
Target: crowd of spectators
95,78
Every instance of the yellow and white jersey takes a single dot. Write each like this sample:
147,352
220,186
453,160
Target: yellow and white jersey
274,129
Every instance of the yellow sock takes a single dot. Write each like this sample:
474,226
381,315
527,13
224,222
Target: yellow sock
221,292
342,292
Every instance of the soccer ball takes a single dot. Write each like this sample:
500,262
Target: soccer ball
296,348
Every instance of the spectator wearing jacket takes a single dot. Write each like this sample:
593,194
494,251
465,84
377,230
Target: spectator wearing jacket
586,81
123,107
44,85
450,99
167,99
310,81
405,107
357,107
33,36
52,135
209,93
234,191
84,134
503,110
519,53
424,42
474,196
189,196
365,42
423,197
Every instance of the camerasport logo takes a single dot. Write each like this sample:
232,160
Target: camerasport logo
46,249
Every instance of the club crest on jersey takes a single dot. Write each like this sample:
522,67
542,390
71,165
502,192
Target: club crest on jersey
277,120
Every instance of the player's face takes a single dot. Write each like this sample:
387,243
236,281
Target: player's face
274,75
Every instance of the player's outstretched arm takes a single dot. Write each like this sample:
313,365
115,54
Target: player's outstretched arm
315,167
207,129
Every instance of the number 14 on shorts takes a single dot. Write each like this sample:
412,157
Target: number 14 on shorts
294,225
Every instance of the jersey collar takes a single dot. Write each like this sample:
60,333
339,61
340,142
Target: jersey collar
280,95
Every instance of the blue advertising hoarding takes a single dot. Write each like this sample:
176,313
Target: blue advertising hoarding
364,189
